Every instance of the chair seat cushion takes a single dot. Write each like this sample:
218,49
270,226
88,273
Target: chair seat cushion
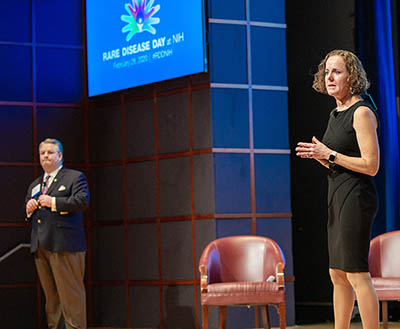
246,293
387,288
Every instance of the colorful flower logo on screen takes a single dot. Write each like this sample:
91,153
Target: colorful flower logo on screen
140,17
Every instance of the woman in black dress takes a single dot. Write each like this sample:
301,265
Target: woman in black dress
350,150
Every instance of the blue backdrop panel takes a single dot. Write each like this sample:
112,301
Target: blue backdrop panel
59,75
65,124
227,9
232,183
270,119
240,317
230,118
271,11
268,53
15,20
228,53
18,129
272,174
230,227
59,22
12,194
280,230
15,73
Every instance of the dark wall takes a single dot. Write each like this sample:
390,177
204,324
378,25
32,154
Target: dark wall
152,210
313,30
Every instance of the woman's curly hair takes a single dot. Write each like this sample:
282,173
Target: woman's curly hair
358,78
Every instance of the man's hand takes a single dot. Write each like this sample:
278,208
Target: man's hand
45,200
31,206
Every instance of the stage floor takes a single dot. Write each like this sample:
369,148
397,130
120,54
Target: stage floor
330,325
325,325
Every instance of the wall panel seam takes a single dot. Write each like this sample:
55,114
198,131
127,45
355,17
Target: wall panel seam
244,22
247,86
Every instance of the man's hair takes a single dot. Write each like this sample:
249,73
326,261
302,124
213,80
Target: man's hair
358,78
54,142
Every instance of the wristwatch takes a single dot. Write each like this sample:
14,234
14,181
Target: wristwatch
332,157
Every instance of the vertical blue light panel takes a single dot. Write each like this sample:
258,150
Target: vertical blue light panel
268,56
65,124
230,227
16,127
15,73
228,53
270,117
227,9
15,20
230,118
59,22
271,11
59,75
280,230
272,173
240,317
232,183
390,119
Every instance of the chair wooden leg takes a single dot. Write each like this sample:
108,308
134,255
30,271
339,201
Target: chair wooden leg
204,316
282,315
265,316
222,317
257,316
384,314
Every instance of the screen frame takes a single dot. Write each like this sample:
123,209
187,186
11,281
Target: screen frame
204,45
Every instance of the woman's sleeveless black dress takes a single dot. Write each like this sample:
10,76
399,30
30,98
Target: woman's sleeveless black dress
352,200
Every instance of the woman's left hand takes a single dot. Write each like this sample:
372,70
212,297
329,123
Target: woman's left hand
315,149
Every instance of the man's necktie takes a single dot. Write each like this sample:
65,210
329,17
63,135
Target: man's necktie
45,186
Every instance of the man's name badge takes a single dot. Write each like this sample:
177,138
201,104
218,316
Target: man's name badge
35,191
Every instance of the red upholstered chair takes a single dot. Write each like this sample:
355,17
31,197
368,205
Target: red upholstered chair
384,266
235,271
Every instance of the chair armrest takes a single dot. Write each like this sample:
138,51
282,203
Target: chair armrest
280,275
211,261
203,279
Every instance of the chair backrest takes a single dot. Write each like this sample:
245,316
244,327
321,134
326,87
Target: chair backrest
241,258
384,255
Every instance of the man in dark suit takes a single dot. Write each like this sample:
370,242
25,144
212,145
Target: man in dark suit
55,203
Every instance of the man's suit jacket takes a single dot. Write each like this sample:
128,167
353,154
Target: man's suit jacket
63,229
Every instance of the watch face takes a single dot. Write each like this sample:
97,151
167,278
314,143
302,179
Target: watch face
332,157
